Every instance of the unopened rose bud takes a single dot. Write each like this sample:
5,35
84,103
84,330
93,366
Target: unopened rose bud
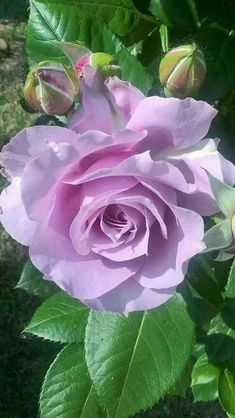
51,87
182,71
104,62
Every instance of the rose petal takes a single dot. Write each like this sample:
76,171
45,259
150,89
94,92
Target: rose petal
30,143
136,247
81,276
94,197
41,175
94,111
130,296
94,146
139,165
172,122
13,216
166,264
198,158
124,96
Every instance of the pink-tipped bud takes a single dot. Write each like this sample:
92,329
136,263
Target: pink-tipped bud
80,64
104,62
51,88
182,71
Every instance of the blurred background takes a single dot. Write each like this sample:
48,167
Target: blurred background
24,360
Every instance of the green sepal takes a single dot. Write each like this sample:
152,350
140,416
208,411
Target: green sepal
73,50
223,194
219,237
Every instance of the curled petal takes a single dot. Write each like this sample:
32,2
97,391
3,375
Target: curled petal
94,111
124,96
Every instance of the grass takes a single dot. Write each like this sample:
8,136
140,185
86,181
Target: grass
24,360
13,117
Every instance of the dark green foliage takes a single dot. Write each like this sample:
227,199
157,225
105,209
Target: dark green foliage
14,9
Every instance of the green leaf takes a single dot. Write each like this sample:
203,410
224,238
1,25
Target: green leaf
178,14
183,383
60,318
230,287
221,334
120,15
50,23
227,392
203,280
134,361
74,20
48,26
32,282
205,379
133,71
200,310
219,43
67,390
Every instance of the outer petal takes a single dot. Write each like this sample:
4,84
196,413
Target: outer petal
203,156
13,216
53,254
167,263
94,111
172,122
30,143
124,96
130,296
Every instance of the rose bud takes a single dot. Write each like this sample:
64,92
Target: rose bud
182,71
80,56
104,62
51,87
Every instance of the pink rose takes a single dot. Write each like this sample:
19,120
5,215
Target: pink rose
111,208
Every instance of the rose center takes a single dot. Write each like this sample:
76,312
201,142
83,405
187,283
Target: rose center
115,217
116,223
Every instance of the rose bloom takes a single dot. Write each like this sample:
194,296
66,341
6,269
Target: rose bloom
111,207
